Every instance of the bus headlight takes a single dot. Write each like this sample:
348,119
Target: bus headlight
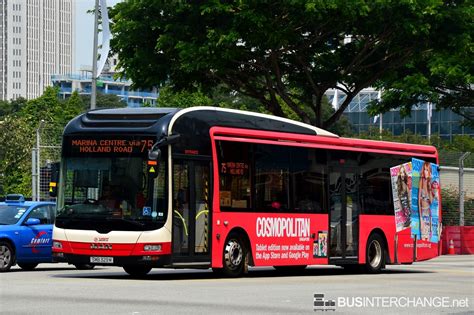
57,245
152,248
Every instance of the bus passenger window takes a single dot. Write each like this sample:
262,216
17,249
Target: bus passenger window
308,180
272,187
234,175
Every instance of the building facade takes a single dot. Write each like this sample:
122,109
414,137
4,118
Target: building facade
106,84
444,123
36,41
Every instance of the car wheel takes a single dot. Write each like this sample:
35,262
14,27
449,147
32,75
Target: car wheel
27,266
234,257
7,256
137,270
84,266
375,254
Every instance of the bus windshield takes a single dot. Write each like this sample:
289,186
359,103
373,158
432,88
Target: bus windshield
106,193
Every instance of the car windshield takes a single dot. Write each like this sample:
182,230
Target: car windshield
111,193
10,214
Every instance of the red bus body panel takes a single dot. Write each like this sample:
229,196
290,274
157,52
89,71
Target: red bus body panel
400,246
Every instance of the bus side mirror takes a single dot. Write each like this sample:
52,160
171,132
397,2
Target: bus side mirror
53,183
155,153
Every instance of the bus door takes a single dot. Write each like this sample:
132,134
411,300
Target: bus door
191,210
344,213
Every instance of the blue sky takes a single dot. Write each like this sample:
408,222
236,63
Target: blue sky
84,32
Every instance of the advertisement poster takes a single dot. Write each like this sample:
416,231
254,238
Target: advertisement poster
415,213
434,206
401,189
323,243
425,201
320,245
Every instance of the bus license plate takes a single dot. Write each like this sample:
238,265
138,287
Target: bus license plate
102,260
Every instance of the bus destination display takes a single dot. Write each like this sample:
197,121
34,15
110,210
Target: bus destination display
106,146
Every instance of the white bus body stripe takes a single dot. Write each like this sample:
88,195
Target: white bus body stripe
318,131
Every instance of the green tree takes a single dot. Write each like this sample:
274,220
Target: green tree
182,99
285,54
103,101
442,75
17,135
221,97
13,106
15,168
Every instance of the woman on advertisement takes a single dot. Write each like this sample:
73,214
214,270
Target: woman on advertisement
425,197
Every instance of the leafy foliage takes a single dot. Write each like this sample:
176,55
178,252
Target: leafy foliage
450,207
103,101
460,143
284,54
19,121
443,72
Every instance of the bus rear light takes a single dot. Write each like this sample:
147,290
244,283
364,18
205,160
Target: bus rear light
152,248
57,245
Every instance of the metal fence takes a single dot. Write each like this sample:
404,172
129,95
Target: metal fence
457,180
450,158
46,152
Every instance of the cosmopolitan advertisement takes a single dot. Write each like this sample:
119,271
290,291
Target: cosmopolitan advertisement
286,240
401,189
415,186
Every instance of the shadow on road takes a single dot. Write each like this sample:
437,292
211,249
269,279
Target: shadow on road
186,274
38,269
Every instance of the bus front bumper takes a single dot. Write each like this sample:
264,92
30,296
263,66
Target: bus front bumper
152,261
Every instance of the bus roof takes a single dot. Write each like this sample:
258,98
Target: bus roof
194,125
163,121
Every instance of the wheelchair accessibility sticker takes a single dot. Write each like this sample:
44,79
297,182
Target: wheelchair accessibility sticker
146,211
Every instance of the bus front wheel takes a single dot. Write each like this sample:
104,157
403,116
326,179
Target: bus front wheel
235,256
137,270
375,254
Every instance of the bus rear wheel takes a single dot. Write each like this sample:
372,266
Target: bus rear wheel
137,270
235,256
375,254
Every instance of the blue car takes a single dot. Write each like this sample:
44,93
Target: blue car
25,232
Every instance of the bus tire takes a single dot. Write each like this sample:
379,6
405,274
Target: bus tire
375,254
7,256
137,270
27,266
234,256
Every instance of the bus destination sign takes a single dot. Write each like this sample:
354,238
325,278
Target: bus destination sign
114,146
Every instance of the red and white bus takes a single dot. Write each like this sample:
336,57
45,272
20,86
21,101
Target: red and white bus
207,187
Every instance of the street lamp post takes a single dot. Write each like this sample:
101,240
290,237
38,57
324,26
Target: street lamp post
94,57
